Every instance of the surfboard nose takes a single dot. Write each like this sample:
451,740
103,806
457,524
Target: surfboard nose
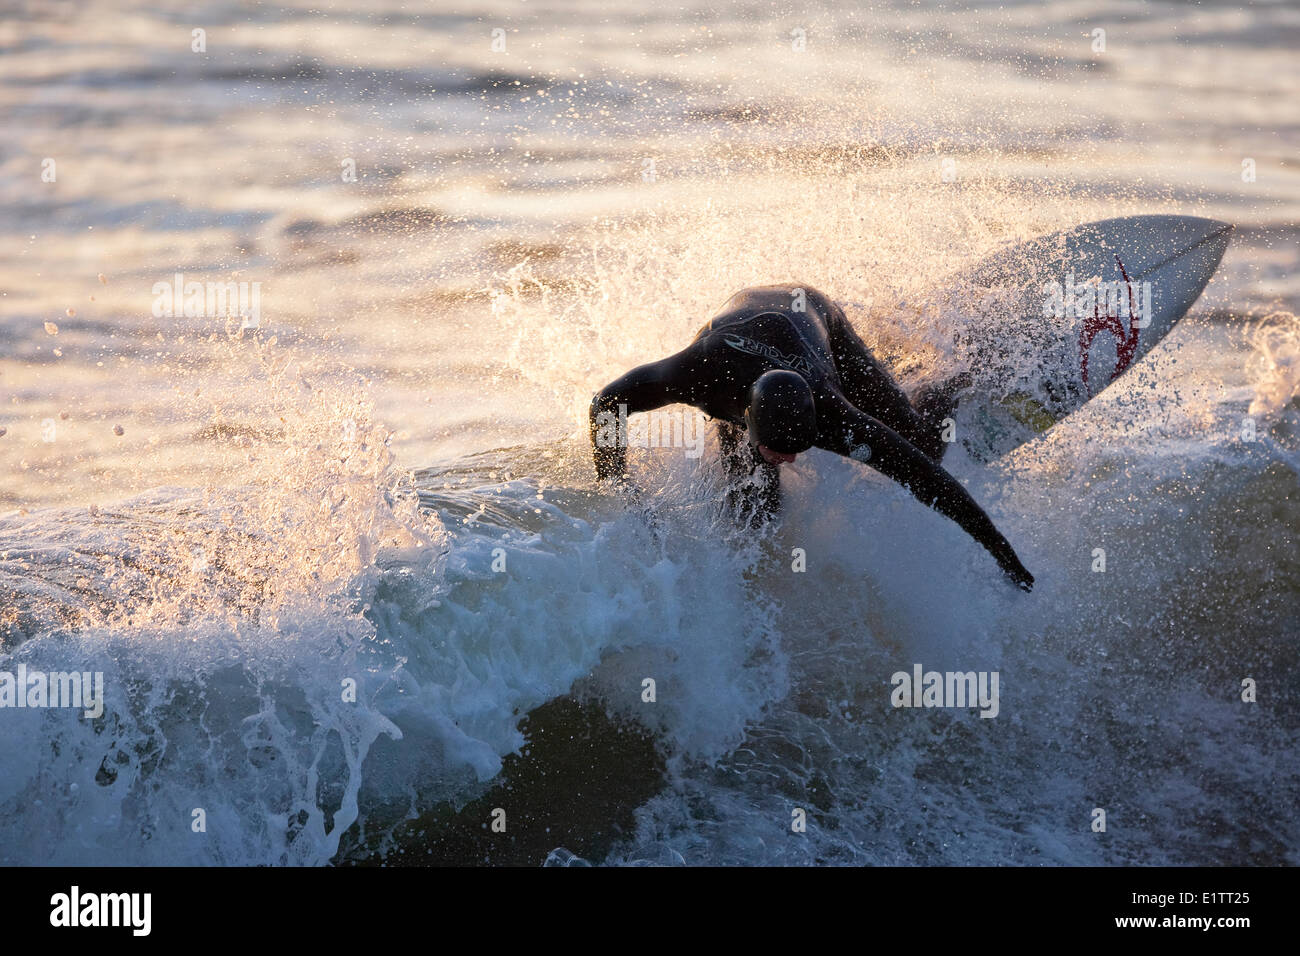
1195,231
1214,228
1173,250
1212,242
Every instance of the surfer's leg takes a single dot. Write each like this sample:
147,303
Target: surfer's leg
753,485
871,389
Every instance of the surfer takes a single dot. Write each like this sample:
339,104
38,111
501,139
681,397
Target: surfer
781,370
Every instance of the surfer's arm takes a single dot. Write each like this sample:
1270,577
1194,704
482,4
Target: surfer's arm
857,435
644,388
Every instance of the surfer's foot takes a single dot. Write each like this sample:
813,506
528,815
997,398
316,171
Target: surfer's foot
753,493
936,403
754,502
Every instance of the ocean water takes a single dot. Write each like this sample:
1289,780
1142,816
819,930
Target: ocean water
339,553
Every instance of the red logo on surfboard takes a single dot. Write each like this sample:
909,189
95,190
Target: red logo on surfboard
1125,342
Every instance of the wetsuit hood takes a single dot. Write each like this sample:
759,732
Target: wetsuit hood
781,413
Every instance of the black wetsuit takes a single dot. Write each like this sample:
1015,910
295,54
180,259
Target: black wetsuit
861,412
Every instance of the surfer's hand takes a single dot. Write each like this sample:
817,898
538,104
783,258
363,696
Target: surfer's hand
1016,571
1010,564
620,485
636,499
638,502
1020,576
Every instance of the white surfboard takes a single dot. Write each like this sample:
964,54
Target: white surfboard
1047,324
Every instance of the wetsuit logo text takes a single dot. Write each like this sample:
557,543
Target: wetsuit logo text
795,363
